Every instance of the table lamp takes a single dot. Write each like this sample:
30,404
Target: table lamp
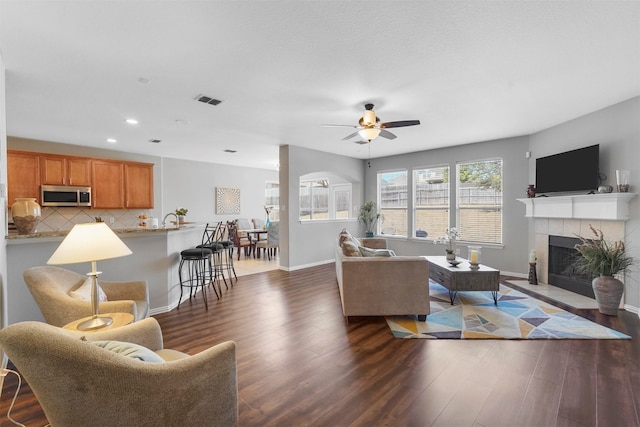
90,242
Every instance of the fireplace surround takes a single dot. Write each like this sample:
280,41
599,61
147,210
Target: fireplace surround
572,216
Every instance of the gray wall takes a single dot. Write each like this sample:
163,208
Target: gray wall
617,130
511,256
312,242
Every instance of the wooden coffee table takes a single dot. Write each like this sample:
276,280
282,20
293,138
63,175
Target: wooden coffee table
463,278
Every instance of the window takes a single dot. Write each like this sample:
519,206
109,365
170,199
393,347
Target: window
272,199
342,201
314,199
431,201
322,199
479,197
392,201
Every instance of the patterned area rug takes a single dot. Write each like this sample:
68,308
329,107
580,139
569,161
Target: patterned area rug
517,316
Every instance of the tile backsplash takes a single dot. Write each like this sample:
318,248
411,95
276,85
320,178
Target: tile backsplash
62,219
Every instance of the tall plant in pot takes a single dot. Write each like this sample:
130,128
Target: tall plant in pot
603,260
369,216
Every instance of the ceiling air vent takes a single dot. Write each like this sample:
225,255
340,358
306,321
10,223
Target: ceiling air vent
208,100
155,141
230,151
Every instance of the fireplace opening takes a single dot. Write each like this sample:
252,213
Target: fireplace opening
562,273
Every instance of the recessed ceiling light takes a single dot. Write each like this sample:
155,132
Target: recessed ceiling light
132,121
112,140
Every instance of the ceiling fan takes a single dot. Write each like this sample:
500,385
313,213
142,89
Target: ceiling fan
370,127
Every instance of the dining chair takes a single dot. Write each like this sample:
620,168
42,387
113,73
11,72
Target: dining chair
241,242
271,243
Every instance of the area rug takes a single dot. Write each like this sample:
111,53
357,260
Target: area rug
517,316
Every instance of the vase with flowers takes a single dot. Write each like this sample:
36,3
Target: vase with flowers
603,260
181,213
451,235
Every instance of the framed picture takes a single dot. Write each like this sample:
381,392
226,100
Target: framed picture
227,201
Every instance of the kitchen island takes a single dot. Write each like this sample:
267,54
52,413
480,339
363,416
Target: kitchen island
155,258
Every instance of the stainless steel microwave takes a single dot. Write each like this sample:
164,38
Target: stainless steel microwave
64,195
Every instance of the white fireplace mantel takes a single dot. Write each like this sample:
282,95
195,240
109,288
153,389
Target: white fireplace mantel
608,206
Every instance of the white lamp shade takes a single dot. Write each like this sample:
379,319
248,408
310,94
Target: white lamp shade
89,242
369,133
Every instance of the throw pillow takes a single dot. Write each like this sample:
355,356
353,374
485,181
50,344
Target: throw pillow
128,349
345,235
83,292
368,252
350,249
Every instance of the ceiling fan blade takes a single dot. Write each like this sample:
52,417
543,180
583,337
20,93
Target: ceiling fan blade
387,134
349,136
339,126
399,124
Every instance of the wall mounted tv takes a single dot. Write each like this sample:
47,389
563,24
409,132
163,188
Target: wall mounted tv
575,170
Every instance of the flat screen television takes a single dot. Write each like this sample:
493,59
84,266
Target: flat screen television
575,170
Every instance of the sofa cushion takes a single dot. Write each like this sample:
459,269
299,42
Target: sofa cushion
83,292
368,252
244,224
350,248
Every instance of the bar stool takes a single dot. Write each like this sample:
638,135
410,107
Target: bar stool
197,260
226,256
209,242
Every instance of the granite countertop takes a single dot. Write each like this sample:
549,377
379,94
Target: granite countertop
13,234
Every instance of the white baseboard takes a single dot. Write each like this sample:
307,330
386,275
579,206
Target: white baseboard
300,267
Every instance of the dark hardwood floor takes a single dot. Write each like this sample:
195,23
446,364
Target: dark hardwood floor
301,364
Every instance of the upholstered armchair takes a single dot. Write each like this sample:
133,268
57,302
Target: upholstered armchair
79,383
51,289
271,243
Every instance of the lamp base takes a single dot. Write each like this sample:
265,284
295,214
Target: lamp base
95,323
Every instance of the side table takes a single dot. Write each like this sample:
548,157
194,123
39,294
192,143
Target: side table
119,319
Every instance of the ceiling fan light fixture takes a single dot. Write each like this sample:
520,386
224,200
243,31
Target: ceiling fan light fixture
369,117
369,133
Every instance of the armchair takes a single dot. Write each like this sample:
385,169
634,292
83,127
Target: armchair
50,287
81,384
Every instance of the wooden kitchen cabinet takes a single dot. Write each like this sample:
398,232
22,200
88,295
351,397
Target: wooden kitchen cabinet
107,190
23,175
61,170
122,185
138,184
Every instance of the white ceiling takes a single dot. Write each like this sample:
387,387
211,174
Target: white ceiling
468,70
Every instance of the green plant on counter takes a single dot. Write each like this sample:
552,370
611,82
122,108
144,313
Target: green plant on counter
181,211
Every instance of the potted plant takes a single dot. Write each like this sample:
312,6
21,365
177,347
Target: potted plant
369,216
451,236
603,260
181,213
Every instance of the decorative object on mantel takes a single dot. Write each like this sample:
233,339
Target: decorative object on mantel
181,212
622,177
369,216
533,275
605,189
26,214
227,201
531,191
603,260
474,256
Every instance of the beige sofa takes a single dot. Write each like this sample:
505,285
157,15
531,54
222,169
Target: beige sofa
382,285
